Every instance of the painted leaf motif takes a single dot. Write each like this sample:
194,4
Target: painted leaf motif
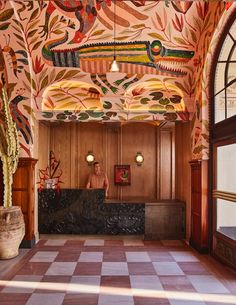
170,116
180,40
60,74
34,14
31,33
140,117
157,36
47,115
97,33
83,116
4,26
107,105
71,73
122,37
36,45
53,21
94,114
144,100
44,82
164,101
6,15
29,110
138,26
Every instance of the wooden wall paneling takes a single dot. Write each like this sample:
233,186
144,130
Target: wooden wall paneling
165,164
140,137
24,196
112,147
61,146
91,139
199,206
74,164
182,168
43,146
158,152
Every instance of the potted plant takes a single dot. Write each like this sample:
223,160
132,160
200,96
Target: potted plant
12,227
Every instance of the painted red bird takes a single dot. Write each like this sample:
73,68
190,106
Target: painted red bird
86,11
22,122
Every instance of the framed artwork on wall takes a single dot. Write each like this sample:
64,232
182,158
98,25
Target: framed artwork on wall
122,175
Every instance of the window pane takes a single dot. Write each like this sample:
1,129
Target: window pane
231,99
219,77
233,57
226,218
226,165
228,43
220,107
233,30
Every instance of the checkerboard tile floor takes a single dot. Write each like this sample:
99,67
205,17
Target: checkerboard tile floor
110,272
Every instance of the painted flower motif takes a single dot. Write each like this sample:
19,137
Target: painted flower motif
182,6
202,9
37,66
178,23
228,4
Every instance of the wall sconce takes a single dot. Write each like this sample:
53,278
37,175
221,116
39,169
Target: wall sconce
90,158
139,158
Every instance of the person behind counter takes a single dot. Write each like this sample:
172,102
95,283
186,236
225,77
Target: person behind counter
98,179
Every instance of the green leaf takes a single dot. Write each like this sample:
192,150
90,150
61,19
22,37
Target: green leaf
36,45
164,101
107,105
156,36
94,114
83,116
4,26
97,33
47,115
144,100
6,15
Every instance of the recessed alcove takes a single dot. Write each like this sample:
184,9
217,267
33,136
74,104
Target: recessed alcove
160,176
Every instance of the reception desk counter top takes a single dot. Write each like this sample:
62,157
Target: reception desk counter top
86,211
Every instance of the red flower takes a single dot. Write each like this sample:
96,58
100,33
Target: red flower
227,5
37,66
178,23
182,6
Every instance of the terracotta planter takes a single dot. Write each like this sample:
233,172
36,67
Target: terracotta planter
12,231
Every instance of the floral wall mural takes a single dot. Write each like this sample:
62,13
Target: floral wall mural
48,44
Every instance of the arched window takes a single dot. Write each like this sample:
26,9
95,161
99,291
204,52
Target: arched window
223,146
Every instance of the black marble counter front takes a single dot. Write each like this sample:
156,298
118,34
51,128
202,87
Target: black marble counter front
84,211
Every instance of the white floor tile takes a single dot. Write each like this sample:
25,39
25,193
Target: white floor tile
61,268
145,282
184,256
55,242
44,256
137,257
114,268
46,299
84,284
105,299
167,268
207,284
91,257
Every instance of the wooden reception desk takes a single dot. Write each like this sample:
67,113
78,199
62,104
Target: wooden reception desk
85,211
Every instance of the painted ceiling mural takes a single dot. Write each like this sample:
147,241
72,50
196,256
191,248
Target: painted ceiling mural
57,55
